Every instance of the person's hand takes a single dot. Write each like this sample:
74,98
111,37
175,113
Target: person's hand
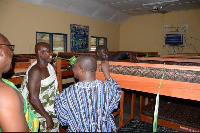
49,123
133,57
105,69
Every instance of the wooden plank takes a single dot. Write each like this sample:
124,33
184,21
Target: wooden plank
192,68
16,80
65,63
21,64
169,59
133,105
20,69
180,127
121,114
182,56
171,88
70,54
116,112
59,74
67,73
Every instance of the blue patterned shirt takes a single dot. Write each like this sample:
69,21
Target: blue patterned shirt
88,106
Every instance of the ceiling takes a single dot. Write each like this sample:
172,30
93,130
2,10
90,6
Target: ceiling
117,11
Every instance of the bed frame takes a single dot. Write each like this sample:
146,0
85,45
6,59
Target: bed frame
167,59
166,116
19,67
189,56
138,54
63,70
121,72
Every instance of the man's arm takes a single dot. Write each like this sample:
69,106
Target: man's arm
59,108
34,82
115,92
105,69
12,117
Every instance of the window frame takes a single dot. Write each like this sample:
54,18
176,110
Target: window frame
97,41
98,38
51,38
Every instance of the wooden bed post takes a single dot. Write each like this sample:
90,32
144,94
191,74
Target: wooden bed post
141,105
121,109
59,74
133,105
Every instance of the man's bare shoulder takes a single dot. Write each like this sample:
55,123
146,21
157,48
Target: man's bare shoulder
5,87
8,95
35,70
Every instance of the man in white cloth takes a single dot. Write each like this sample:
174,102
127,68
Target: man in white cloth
40,88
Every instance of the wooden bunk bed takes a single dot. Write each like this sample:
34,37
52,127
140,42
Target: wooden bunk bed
182,56
138,54
167,59
63,70
70,54
171,107
24,56
17,73
133,76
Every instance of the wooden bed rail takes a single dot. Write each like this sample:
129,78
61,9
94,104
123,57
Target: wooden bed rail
182,56
177,89
168,114
171,88
169,59
23,64
137,53
62,73
19,67
70,54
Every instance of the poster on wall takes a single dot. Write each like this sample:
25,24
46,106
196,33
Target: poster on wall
79,38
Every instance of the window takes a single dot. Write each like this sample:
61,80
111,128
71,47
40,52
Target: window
96,41
174,39
57,41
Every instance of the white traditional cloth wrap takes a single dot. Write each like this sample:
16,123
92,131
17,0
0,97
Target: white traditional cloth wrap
44,82
49,86
48,80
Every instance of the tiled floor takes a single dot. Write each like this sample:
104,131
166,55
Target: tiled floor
127,110
140,126
136,125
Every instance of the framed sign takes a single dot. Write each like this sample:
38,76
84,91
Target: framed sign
79,38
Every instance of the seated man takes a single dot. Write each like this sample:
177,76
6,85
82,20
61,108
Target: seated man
103,54
87,106
40,86
13,107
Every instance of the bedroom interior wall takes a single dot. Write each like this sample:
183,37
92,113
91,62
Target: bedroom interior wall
20,21
145,33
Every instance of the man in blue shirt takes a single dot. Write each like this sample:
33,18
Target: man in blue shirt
87,106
